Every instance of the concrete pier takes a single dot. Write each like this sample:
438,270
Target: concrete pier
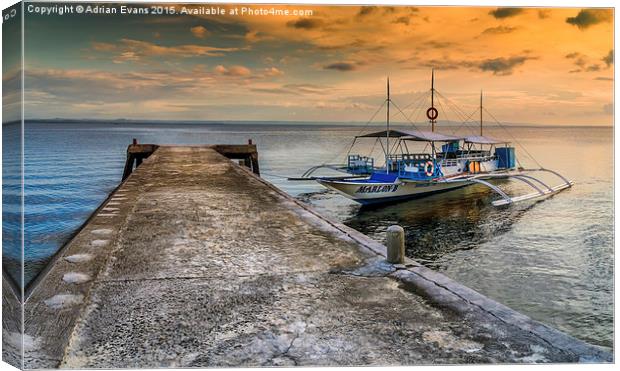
194,261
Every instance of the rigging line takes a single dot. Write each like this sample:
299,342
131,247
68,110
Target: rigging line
372,149
462,116
464,122
456,107
417,109
515,139
360,132
415,100
395,146
405,116
446,112
456,110
460,112
351,147
442,109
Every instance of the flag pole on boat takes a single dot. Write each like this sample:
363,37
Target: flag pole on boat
387,135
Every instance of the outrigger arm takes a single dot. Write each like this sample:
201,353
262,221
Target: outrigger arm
527,179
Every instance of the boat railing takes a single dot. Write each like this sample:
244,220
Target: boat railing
449,162
357,164
479,158
416,169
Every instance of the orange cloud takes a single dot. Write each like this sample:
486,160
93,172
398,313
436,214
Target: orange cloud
235,71
199,31
129,50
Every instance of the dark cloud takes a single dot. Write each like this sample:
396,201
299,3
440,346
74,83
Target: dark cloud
589,17
366,10
442,64
505,12
601,78
306,23
499,66
499,30
438,44
609,58
544,13
273,91
502,66
341,66
389,10
404,20
586,64
579,60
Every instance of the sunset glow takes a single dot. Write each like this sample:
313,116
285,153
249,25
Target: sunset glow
535,65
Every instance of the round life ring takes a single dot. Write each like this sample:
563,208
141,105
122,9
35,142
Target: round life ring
429,168
432,113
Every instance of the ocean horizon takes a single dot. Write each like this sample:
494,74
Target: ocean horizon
419,125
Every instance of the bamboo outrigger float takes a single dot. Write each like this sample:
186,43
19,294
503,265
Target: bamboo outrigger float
460,161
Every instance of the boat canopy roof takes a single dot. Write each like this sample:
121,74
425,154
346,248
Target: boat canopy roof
478,139
415,135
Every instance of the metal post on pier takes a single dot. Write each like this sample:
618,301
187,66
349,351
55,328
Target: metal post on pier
395,241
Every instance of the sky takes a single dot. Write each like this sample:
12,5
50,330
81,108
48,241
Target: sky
544,66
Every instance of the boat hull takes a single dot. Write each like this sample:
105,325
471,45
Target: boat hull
369,193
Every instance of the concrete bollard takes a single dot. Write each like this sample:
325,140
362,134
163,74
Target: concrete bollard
395,243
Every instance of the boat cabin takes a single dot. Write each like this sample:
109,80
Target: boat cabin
455,156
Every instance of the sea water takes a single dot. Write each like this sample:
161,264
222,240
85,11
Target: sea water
550,259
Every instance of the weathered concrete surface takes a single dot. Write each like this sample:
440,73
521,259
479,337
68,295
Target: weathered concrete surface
13,342
198,263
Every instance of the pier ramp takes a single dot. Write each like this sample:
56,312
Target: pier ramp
194,261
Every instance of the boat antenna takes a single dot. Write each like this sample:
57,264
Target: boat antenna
387,135
481,112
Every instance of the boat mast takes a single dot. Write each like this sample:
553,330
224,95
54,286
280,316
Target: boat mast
481,146
433,97
387,135
480,112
